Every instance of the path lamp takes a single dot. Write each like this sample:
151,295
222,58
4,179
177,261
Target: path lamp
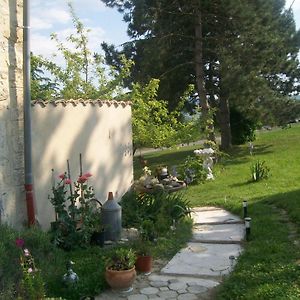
248,228
232,261
245,208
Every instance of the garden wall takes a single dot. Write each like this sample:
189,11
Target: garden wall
100,130
12,198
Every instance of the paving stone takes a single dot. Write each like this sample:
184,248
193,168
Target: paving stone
167,294
177,286
183,291
173,280
197,289
187,296
137,297
214,216
164,288
158,283
149,290
209,283
224,232
202,259
154,297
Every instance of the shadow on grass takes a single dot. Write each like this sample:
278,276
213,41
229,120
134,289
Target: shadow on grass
241,154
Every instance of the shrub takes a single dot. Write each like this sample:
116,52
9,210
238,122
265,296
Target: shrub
242,127
162,209
192,170
259,171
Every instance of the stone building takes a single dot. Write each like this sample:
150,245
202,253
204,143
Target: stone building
12,199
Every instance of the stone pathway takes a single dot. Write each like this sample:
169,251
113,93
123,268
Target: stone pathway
195,271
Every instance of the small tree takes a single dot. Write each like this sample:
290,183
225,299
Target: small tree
153,126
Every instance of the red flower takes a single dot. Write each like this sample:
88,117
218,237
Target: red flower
67,181
20,243
87,175
82,179
62,176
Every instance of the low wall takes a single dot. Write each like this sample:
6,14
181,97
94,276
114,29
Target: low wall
99,130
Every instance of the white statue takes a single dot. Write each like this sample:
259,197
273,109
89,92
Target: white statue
207,161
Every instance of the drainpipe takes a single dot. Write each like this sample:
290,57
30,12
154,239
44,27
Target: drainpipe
27,117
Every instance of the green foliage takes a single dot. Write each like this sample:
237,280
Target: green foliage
155,212
192,170
121,259
32,285
242,127
259,171
74,224
153,126
82,73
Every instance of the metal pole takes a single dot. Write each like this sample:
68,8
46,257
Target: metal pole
27,116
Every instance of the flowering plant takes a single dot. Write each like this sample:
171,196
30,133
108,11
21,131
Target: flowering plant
32,285
74,210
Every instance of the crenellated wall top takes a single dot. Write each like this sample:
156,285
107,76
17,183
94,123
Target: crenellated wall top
83,102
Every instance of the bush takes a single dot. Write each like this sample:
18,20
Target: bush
160,208
192,170
259,171
242,127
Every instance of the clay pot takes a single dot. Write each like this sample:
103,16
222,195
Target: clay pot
143,263
120,280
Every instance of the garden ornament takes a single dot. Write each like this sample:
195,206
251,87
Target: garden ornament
70,277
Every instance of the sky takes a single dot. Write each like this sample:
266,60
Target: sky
48,16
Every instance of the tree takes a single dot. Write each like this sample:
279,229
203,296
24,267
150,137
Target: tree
236,52
82,73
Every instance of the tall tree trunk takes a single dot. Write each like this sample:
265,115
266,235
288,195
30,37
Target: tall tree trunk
199,71
224,119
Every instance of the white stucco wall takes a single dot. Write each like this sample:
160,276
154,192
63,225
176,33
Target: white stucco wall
12,198
100,130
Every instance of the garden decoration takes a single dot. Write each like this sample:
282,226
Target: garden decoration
163,181
208,162
70,277
112,218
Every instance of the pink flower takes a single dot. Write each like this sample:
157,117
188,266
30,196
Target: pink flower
82,179
68,181
62,176
30,270
26,252
20,243
87,175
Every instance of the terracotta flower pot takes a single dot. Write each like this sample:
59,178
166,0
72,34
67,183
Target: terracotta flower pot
120,280
144,263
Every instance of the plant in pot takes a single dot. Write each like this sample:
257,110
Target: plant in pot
120,269
97,229
144,245
144,258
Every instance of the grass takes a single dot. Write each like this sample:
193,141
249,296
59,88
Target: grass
89,262
268,268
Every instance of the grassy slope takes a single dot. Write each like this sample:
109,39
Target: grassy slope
268,268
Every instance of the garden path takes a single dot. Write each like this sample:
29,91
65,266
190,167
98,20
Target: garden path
195,271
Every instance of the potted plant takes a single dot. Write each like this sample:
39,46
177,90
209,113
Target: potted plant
143,247
97,229
120,269
144,258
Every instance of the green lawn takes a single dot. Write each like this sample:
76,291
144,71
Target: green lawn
268,268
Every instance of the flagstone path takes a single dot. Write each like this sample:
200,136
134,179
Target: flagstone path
195,271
